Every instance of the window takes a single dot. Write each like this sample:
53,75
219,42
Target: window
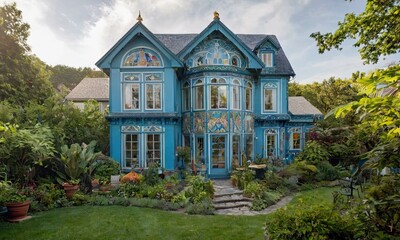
186,97
142,146
295,138
236,95
270,97
133,85
271,142
249,94
131,151
266,57
198,95
142,57
249,146
153,150
218,94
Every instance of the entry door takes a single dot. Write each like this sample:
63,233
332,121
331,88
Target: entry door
218,155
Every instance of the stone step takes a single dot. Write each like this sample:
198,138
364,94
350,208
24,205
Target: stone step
231,205
227,193
235,198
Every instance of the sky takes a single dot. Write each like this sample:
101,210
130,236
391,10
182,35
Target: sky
78,33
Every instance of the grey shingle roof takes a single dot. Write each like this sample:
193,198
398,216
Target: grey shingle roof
300,106
176,42
90,88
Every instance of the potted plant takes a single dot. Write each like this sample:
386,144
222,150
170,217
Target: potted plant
15,200
75,161
104,184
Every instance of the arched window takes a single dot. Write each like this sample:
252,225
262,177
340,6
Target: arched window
142,57
270,101
218,94
249,96
235,98
186,96
198,95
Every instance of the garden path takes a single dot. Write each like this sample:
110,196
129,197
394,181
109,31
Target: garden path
229,200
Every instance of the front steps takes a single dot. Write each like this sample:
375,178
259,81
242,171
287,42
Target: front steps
229,199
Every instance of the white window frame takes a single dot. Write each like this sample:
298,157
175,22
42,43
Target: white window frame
198,84
248,87
294,131
274,98
236,105
222,86
267,58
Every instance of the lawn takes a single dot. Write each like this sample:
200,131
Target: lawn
117,222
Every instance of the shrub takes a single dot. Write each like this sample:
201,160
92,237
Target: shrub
105,168
270,198
253,190
258,204
204,207
199,189
317,222
326,172
313,153
48,196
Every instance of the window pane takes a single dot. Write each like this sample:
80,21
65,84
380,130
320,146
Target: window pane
131,151
269,99
131,96
248,97
235,97
153,151
198,97
296,141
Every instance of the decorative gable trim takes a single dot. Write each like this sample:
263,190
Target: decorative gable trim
137,30
217,25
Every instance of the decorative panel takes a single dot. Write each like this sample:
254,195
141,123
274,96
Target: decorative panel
236,122
130,128
199,119
186,123
217,122
142,57
131,77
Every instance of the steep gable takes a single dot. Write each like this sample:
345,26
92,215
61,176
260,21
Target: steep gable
138,30
218,26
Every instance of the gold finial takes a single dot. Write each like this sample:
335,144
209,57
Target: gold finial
216,15
139,18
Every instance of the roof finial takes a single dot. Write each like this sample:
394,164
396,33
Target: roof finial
139,18
216,15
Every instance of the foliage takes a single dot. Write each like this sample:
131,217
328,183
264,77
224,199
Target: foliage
375,29
253,190
327,94
104,169
184,153
315,222
326,172
258,204
270,198
199,189
23,77
150,174
204,207
11,194
379,113
243,177
305,172
383,200
313,153
24,149
132,177
70,76
47,196
76,161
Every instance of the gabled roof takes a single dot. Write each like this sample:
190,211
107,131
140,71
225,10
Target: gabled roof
300,106
90,88
137,29
217,25
176,42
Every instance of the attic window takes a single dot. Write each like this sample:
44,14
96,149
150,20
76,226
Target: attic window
267,58
142,57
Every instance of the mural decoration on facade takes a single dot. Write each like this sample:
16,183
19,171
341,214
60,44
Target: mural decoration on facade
236,122
142,57
216,52
217,122
199,118
186,123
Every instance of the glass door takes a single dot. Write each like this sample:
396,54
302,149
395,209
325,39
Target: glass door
218,154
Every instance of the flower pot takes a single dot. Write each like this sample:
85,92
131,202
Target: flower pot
70,189
17,211
105,188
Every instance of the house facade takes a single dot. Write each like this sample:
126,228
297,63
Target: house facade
224,95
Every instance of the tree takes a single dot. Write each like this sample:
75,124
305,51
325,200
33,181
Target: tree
376,31
23,77
70,76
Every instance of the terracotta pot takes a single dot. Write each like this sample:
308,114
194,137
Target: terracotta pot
105,188
17,211
70,189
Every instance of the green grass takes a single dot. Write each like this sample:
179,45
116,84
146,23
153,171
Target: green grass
117,222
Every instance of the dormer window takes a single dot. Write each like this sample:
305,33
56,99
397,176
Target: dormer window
267,58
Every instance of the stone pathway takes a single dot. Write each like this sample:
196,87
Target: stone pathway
230,201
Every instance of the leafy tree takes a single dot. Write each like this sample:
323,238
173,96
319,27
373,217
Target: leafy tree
326,95
70,76
376,31
23,77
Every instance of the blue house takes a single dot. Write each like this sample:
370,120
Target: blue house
223,94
